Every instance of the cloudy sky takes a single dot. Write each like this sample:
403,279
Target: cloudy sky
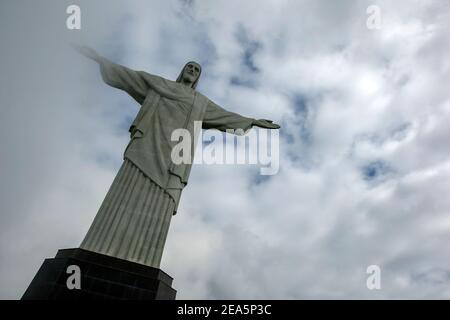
364,146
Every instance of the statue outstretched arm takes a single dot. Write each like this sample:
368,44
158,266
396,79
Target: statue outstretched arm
266,124
218,118
135,83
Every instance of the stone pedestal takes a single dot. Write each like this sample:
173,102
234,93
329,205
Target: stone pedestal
101,277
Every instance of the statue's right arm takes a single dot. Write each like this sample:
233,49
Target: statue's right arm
135,83
88,52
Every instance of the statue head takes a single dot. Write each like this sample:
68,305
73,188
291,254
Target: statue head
190,74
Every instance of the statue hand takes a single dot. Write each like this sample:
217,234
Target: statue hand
267,124
87,52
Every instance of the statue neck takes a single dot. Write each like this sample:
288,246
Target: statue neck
187,83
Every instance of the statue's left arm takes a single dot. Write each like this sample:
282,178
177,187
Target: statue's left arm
218,118
135,83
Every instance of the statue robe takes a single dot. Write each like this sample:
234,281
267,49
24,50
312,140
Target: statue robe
166,106
134,218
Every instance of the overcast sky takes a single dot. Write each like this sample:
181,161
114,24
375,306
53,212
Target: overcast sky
364,145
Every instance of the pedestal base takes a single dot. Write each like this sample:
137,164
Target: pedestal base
101,277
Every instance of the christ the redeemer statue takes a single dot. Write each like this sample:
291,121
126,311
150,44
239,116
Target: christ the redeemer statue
133,220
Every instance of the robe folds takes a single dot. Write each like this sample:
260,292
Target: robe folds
133,220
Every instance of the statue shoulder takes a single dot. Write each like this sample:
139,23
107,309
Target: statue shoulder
152,78
159,84
203,97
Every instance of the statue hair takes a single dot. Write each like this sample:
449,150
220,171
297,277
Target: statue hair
194,84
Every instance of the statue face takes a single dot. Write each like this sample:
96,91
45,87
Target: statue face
191,72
